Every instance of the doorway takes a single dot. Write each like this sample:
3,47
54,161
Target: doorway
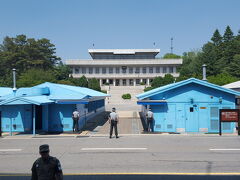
192,114
38,117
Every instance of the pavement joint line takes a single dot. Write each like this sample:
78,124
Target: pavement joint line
134,173
224,149
10,150
94,149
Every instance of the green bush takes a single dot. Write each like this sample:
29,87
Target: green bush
142,83
148,89
104,91
126,96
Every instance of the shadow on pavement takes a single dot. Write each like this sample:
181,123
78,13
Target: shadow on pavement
98,120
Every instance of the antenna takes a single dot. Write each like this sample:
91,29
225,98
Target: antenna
171,45
93,45
154,44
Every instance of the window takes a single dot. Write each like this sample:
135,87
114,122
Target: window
110,70
103,70
90,70
130,70
137,70
117,70
144,70
157,69
124,69
150,69
76,71
170,69
97,70
164,69
83,70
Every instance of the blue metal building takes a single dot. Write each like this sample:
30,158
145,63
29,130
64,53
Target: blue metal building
48,107
191,105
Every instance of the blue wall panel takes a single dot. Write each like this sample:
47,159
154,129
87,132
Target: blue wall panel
192,108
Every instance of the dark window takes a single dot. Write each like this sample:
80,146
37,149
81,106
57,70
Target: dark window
97,70
144,70
90,70
191,109
150,69
103,70
83,70
130,70
110,70
117,70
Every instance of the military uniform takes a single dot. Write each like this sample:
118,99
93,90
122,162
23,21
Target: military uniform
113,120
150,119
46,169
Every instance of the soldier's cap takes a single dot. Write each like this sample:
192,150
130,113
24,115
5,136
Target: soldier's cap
44,148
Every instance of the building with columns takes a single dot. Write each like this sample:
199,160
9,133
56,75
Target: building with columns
123,67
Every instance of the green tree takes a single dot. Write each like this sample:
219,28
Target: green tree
25,53
34,77
168,79
234,67
222,79
157,82
216,38
62,72
171,56
228,35
94,84
82,81
191,64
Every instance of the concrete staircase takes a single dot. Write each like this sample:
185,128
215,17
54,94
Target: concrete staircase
125,108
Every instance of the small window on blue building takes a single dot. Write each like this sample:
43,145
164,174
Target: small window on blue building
191,109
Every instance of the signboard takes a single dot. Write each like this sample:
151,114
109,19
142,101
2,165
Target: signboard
229,115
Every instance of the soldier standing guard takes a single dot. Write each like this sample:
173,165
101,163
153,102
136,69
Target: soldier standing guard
75,117
46,167
150,120
113,121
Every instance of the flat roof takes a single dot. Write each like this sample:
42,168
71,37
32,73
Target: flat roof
123,51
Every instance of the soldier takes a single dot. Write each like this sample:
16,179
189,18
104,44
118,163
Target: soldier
46,167
75,117
149,116
113,121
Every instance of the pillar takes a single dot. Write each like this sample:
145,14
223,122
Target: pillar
134,82
34,120
114,82
148,82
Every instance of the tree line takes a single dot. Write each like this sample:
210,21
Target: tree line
221,54
36,62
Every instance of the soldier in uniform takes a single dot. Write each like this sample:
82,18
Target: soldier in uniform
150,120
46,167
113,121
75,118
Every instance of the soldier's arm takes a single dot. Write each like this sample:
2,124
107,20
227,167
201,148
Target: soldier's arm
59,173
117,119
34,172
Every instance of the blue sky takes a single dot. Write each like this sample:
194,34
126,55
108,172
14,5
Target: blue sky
74,25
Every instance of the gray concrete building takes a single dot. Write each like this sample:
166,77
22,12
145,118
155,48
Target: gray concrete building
123,67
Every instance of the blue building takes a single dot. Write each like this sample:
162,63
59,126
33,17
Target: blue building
191,105
48,107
